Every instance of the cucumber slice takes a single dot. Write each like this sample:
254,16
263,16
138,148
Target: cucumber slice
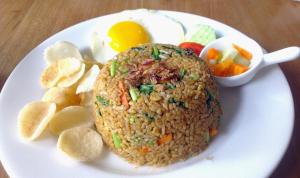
241,60
229,53
232,53
202,34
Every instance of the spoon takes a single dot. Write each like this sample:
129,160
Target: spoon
259,59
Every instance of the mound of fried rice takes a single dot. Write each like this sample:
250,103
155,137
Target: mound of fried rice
156,104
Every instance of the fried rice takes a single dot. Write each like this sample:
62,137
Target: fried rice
156,104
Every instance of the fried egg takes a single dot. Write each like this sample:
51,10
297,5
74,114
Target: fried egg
131,28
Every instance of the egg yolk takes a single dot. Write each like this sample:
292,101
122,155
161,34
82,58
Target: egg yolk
127,34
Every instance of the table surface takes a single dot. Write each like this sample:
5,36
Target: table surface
275,24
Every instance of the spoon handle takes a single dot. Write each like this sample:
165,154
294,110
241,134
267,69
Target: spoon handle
283,55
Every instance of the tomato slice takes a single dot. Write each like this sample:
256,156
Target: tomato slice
196,47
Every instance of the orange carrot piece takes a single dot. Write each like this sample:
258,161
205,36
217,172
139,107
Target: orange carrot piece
222,69
144,150
165,139
213,132
123,97
212,53
246,54
124,100
121,86
237,69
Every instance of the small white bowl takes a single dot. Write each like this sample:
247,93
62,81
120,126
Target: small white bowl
258,61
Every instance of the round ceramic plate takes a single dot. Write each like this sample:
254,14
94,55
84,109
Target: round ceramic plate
255,129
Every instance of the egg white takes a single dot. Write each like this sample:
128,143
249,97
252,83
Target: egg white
161,29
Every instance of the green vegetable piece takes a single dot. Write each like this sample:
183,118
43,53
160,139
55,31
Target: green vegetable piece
230,53
203,34
241,60
102,100
182,104
194,77
113,68
178,50
210,98
172,101
155,53
146,89
149,117
133,94
171,86
116,139
151,142
132,119
182,73
207,136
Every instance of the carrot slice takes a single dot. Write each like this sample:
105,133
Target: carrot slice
246,54
123,97
237,69
222,69
144,150
121,86
213,132
124,100
212,53
165,139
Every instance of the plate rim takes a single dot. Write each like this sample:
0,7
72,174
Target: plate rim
5,163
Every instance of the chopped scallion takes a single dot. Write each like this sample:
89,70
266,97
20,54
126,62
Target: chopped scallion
178,51
182,73
151,142
155,53
113,68
133,94
210,98
146,89
182,104
116,140
172,100
102,100
171,86
206,136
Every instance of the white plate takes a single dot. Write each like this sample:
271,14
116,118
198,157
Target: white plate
255,129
